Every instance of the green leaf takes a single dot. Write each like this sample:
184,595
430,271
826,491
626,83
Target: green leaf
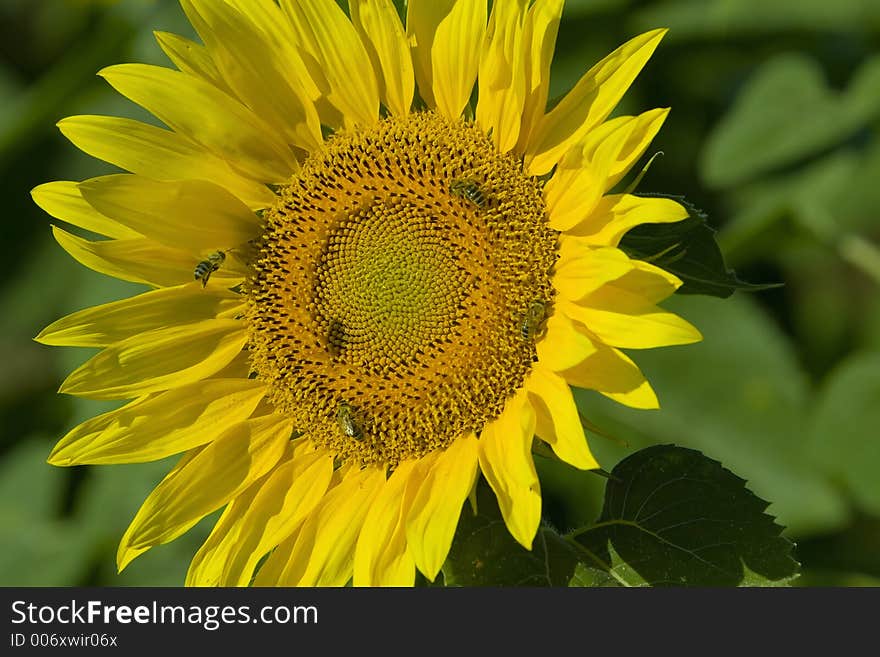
689,250
785,113
843,436
673,517
484,553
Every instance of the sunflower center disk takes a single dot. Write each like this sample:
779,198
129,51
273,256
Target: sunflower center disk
396,272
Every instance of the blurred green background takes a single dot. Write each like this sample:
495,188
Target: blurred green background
773,132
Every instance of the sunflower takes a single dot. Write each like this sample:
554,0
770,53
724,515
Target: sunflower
370,285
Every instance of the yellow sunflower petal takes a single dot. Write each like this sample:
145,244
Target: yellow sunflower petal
158,154
344,60
181,101
103,325
434,514
640,131
506,462
579,182
556,418
455,56
139,260
205,482
589,102
622,318
582,268
610,372
158,360
160,425
563,345
279,35
192,215
381,557
650,281
422,19
63,200
502,78
255,72
206,567
615,214
271,572
283,500
383,37
190,57
324,550
539,39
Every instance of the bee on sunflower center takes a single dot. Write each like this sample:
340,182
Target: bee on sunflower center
467,188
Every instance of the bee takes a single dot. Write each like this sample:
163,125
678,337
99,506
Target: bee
208,266
345,420
467,188
532,326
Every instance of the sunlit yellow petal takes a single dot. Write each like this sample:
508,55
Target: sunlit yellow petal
615,214
181,101
277,509
610,372
435,511
623,319
140,260
158,154
502,78
160,425
539,39
383,36
589,102
63,200
344,60
205,482
455,55
563,344
324,550
506,462
103,325
192,215
381,557
579,182
422,19
158,360
190,57
556,418
253,71
583,268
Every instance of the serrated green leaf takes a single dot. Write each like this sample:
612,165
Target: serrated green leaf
689,250
484,553
673,517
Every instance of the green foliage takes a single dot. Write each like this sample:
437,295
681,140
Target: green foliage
773,131
485,554
785,113
844,434
671,517
741,397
